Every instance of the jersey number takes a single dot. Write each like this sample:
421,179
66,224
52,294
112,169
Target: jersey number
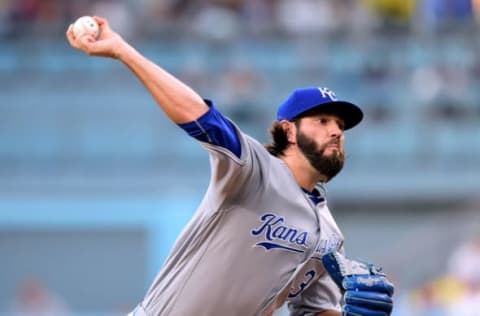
308,278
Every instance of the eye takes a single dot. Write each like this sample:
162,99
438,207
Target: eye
323,120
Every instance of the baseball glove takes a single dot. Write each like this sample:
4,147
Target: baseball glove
366,291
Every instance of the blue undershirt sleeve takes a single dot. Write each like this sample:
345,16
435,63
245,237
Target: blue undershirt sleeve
214,128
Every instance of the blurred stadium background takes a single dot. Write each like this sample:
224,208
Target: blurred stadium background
95,184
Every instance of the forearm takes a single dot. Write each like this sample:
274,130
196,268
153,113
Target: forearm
179,102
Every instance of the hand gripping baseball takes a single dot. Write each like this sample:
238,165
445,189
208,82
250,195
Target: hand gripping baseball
367,292
107,44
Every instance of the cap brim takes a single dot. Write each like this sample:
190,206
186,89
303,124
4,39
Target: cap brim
348,112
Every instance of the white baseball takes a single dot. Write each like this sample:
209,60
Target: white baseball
85,24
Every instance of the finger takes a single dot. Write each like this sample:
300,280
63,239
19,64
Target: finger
90,38
100,20
69,32
370,300
102,23
71,37
356,310
84,43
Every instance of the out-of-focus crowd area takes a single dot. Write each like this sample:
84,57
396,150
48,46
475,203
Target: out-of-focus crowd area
226,18
95,184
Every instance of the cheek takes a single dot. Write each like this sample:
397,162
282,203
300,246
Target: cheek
292,135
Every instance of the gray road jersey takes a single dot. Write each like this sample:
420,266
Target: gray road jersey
254,242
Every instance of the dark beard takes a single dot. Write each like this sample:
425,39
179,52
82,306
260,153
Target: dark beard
328,166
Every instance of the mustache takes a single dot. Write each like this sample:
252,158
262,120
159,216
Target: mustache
334,141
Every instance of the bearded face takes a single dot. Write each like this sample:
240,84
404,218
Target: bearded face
329,165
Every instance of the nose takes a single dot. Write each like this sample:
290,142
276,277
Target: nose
335,130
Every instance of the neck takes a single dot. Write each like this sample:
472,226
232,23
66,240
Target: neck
307,176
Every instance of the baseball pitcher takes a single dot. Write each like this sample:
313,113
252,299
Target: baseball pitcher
263,235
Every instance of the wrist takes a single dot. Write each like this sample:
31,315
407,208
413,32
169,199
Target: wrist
123,52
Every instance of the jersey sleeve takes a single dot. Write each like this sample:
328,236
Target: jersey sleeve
215,129
238,162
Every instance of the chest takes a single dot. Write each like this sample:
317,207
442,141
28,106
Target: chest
291,222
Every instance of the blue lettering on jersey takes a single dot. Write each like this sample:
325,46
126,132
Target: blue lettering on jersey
277,233
327,245
334,242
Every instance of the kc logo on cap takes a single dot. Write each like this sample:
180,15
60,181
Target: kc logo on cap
327,93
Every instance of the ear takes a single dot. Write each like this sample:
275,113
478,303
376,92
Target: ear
291,131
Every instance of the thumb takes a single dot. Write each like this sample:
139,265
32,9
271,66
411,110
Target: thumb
102,23
86,40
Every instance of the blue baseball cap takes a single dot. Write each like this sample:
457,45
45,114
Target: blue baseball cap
322,99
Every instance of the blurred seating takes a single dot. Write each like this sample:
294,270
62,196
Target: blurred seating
61,109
